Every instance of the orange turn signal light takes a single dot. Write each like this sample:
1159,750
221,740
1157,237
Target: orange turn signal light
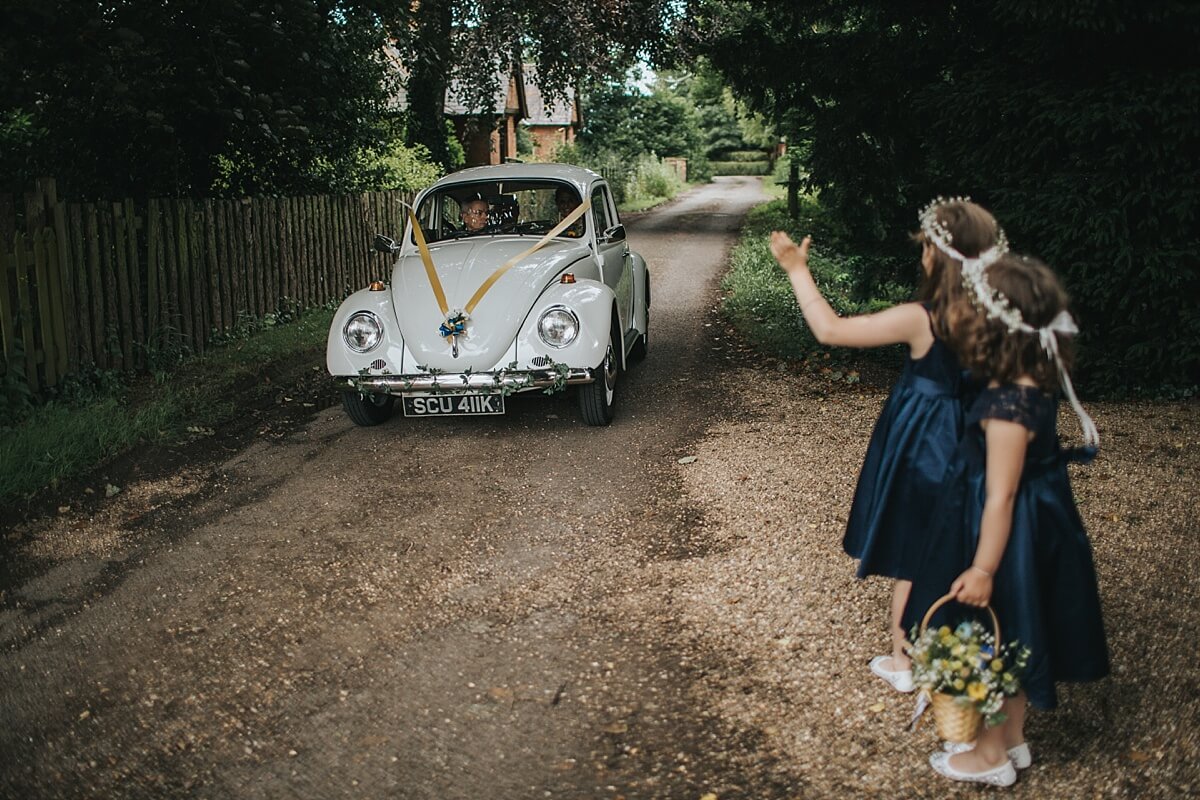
377,286
568,277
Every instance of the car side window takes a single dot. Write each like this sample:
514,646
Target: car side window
599,211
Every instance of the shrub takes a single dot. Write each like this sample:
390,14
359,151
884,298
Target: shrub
652,178
741,167
743,155
758,296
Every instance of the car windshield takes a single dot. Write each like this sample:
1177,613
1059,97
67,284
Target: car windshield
525,208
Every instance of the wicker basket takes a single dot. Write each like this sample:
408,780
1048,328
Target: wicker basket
956,722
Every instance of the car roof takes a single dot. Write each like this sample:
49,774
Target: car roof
581,177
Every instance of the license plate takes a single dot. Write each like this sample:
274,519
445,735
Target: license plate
453,405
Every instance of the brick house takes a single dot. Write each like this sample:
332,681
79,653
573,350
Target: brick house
550,123
488,136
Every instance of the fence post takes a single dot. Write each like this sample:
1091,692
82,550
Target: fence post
66,290
8,301
25,310
132,223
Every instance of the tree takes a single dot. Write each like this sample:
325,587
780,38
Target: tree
473,45
1077,125
192,96
630,124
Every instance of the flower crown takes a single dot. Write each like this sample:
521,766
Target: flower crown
941,238
993,302
996,305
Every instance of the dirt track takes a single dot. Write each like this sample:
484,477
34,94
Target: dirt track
523,607
426,609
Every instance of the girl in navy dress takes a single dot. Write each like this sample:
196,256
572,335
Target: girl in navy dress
1008,531
920,424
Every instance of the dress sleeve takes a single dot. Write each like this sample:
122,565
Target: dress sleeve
1012,403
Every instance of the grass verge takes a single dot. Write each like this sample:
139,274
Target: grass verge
98,418
759,302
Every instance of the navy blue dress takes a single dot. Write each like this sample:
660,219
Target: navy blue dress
901,476
1044,591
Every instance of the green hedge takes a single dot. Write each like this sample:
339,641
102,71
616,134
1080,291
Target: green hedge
742,155
759,300
740,167
1075,123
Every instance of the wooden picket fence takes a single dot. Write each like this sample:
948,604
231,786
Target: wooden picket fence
110,284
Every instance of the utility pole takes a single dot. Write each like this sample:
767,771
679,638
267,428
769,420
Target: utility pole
793,189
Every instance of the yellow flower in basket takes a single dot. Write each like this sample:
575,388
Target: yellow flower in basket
965,673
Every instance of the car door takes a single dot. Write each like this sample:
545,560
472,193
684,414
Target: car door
613,253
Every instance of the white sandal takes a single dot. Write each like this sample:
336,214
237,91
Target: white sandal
900,679
1003,775
1019,755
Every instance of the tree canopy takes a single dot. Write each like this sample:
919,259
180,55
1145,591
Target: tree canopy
232,96
473,45
191,96
1077,124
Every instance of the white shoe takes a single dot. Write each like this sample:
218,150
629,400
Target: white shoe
1019,755
1003,775
900,679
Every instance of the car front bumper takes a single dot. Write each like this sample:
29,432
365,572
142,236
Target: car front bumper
464,382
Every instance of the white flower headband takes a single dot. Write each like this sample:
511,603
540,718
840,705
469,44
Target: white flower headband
941,238
997,306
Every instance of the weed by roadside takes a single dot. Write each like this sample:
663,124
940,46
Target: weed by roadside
760,303
100,415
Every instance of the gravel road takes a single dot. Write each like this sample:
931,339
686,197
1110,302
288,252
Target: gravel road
523,607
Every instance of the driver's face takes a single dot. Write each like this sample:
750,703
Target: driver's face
474,214
566,203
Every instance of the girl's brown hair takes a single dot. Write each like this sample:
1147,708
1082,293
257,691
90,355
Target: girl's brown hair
973,229
994,353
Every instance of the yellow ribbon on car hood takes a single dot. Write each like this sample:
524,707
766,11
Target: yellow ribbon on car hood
567,221
436,284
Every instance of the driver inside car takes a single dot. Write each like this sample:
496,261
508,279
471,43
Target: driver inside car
474,214
566,201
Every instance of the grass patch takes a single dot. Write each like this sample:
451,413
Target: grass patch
98,417
641,203
759,301
740,167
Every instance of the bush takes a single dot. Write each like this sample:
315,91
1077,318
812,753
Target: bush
407,168
743,155
652,178
759,300
741,167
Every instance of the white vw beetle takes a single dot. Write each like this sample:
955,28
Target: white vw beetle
517,278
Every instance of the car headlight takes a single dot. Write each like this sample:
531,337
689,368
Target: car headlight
362,332
558,326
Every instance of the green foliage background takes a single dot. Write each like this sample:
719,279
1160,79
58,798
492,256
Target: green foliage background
195,98
759,299
1077,124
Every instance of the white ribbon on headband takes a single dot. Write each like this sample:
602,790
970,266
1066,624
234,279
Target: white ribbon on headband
974,267
1048,336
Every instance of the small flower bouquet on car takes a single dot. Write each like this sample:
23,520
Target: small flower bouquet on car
966,674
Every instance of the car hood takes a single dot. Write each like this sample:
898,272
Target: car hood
463,266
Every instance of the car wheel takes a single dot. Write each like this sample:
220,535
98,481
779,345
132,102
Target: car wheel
596,398
368,409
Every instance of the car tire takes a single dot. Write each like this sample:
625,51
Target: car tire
368,409
596,398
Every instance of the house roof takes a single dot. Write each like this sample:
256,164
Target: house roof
562,112
503,101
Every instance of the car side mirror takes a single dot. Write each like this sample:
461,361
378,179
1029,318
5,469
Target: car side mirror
614,234
385,244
